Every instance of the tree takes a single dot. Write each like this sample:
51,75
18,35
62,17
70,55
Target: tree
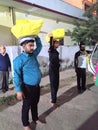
87,30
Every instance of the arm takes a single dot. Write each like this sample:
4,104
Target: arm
9,63
38,46
17,64
75,62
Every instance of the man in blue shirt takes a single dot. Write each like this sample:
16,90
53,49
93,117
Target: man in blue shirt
27,77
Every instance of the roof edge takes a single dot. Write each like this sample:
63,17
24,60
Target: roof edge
47,9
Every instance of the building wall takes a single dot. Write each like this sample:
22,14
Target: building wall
78,3
6,23
43,57
5,16
59,6
48,26
6,37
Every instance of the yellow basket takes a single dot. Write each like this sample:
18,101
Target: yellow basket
26,28
57,34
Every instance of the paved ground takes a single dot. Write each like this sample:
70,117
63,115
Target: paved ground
75,111
45,81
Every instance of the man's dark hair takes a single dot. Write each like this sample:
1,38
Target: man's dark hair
81,43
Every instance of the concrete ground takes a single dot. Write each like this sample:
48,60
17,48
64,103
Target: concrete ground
75,111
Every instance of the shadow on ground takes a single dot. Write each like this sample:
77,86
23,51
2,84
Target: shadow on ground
65,97
91,123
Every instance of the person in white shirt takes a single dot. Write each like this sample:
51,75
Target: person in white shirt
80,63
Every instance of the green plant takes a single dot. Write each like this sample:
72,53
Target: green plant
87,30
8,100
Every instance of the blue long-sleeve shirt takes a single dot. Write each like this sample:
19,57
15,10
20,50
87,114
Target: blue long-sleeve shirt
5,63
26,68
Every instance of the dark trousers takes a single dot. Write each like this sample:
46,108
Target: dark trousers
30,101
4,78
54,84
81,79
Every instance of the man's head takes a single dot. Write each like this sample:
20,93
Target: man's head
27,43
82,46
2,49
56,44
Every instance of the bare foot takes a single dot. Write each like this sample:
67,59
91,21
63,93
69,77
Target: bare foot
54,105
39,122
27,128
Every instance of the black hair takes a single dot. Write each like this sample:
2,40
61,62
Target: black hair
81,43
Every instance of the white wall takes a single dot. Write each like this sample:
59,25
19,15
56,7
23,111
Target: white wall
66,53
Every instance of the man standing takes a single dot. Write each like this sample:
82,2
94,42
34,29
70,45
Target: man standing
27,77
54,66
80,62
5,68
27,74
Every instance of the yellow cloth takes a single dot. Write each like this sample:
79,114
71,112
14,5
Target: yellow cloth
57,34
87,58
26,28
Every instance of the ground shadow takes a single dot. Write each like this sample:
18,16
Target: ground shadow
33,126
65,97
91,123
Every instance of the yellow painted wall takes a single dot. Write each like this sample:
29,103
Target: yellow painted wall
5,25
5,16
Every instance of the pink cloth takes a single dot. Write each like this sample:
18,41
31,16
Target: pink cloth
96,70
